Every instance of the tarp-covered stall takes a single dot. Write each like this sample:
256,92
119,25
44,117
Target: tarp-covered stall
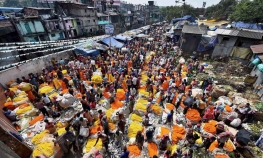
110,41
207,43
122,37
85,52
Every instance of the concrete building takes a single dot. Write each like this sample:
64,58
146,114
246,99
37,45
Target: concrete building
8,32
86,17
30,25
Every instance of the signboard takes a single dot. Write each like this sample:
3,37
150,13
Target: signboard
109,29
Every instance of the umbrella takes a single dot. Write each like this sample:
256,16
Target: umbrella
243,137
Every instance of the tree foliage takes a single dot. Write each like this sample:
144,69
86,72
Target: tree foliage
248,11
221,11
171,12
11,3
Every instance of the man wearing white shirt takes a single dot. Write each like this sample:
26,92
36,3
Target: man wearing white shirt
134,81
46,99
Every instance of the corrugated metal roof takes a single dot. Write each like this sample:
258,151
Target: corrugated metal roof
193,29
257,49
250,34
240,33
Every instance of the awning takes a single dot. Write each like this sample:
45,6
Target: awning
142,35
110,41
85,52
91,44
122,37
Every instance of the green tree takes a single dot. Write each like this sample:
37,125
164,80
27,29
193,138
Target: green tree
221,11
171,12
248,11
11,3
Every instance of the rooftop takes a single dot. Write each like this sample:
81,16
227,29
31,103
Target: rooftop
241,33
257,49
193,29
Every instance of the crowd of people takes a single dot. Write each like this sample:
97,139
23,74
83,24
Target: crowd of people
170,81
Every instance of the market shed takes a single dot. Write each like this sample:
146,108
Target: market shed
191,37
236,43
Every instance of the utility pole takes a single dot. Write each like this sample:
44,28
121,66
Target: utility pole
59,11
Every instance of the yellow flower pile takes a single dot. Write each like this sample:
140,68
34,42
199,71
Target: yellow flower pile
44,148
133,129
97,79
22,94
55,94
45,89
64,72
140,107
61,125
109,113
20,98
61,131
144,78
135,117
157,109
91,143
143,92
96,122
24,110
172,148
38,137
142,101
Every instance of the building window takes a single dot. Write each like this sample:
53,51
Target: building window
53,35
66,21
88,21
78,23
90,30
94,20
85,10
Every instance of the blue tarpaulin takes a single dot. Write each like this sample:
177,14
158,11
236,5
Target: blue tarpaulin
110,41
122,37
2,17
243,25
85,52
187,17
207,43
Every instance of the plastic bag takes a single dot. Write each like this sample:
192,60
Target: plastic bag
84,131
